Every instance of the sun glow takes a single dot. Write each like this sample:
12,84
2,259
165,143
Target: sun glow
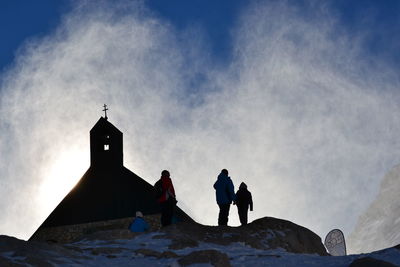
62,175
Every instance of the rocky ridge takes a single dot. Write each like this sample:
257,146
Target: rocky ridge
267,240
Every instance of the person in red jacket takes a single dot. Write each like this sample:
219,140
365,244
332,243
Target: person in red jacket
167,198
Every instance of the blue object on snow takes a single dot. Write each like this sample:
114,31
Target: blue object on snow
139,225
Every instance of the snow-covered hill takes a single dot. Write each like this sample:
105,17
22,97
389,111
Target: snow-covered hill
267,241
379,226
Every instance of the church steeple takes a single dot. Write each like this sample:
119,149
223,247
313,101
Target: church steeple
106,148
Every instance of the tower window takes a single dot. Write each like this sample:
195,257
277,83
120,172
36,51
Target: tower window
106,147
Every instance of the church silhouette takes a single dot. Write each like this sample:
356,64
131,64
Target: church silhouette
108,190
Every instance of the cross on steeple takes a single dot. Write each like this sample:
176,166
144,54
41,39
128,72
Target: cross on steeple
105,111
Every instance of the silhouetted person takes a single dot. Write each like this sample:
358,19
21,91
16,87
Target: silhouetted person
225,194
139,224
243,201
167,198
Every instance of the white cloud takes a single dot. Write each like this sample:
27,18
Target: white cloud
297,114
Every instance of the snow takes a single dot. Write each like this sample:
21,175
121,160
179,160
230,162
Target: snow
239,254
122,253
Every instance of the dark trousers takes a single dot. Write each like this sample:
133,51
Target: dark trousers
167,211
242,211
223,214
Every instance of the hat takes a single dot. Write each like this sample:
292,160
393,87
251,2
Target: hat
243,185
139,214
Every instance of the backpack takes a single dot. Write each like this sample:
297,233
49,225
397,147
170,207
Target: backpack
158,189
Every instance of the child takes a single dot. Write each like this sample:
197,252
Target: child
243,201
139,224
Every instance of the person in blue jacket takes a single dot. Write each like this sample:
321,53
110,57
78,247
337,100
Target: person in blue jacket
139,224
225,194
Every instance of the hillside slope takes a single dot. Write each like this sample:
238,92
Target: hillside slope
266,241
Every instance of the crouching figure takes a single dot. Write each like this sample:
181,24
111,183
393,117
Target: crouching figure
138,224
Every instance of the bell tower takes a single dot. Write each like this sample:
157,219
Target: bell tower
106,148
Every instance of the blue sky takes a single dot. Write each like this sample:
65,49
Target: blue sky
299,99
21,20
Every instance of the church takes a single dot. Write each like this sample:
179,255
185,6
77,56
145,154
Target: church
107,194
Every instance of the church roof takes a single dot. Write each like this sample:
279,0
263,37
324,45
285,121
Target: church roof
103,123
